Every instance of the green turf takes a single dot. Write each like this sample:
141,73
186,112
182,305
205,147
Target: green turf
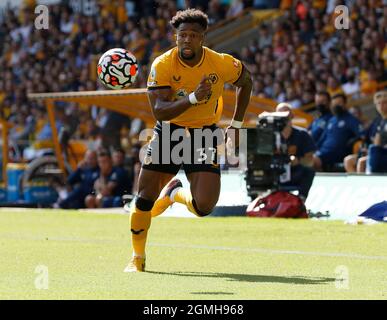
210,258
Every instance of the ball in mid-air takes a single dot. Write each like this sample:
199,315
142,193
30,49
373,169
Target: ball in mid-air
117,68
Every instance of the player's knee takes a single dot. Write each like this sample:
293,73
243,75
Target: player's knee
144,204
202,207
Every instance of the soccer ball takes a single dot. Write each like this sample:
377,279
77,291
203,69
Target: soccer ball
117,68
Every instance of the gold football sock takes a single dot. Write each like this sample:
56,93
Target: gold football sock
139,224
184,196
160,206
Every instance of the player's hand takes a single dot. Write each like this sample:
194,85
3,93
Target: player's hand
204,88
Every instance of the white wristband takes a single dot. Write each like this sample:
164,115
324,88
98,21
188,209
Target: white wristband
236,124
192,98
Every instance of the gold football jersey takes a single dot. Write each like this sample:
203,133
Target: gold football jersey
169,71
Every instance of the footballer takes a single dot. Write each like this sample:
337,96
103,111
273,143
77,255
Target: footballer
184,88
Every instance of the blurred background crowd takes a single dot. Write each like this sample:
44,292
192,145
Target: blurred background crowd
292,59
303,53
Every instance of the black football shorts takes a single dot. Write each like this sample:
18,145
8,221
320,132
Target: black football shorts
173,147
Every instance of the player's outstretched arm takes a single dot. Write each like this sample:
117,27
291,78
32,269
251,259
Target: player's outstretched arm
164,109
244,86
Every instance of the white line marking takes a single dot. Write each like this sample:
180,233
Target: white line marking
183,246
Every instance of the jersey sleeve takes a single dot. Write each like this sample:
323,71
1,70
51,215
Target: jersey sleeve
231,68
159,75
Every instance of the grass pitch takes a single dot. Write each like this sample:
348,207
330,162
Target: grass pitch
84,255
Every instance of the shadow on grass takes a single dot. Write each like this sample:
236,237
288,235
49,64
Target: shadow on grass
251,277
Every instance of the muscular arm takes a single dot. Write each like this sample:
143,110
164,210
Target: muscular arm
163,108
244,86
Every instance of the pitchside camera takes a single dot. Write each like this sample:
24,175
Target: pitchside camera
267,153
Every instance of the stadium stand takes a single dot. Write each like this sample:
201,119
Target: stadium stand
290,57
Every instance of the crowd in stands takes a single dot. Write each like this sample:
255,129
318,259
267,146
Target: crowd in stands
100,181
300,58
302,53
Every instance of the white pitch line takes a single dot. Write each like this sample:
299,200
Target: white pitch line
183,246
269,251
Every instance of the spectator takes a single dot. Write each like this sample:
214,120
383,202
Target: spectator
111,126
357,112
46,132
265,38
80,183
292,98
377,152
307,97
334,86
306,34
342,130
351,86
107,188
356,162
301,148
322,101
369,83
236,7
125,181
22,129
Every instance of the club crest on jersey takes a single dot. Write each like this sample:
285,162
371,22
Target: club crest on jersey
213,78
180,93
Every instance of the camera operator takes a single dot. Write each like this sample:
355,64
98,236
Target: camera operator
301,148
377,152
